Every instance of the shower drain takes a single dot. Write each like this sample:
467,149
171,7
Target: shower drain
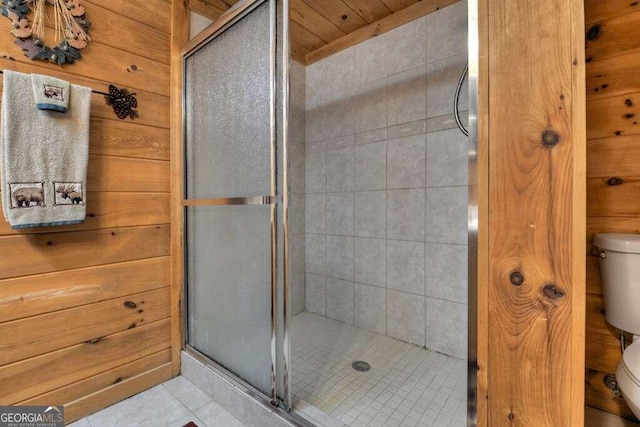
361,366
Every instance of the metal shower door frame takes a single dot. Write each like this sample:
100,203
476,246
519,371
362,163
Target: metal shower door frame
218,27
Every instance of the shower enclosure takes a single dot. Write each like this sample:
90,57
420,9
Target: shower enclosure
326,207
235,107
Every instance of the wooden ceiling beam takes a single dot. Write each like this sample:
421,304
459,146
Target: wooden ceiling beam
298,52
398,5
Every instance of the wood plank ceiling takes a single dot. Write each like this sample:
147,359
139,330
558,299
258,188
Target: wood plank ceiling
320,28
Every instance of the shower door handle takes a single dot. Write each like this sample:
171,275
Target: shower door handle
230,201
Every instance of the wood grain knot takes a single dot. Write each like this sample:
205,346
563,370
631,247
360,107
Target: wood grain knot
594,32
516,278
551,291
94,341
344,17
117,380
512,416
130,304
628,102
615,181
550,138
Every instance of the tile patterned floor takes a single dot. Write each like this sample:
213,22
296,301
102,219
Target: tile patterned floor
406,386
171,404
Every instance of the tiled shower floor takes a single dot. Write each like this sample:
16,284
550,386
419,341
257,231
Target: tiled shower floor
406,386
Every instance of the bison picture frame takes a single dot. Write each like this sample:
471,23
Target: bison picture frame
26,194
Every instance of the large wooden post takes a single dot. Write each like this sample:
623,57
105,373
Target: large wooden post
179,37
532,293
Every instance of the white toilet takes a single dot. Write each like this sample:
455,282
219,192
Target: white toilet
620,272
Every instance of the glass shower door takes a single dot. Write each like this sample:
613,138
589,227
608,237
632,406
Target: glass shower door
232,206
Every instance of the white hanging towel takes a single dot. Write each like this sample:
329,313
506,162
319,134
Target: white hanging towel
43,154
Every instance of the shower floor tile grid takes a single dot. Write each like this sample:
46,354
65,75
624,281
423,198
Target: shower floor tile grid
406,386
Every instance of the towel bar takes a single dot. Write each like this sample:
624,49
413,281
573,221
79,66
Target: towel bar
124,103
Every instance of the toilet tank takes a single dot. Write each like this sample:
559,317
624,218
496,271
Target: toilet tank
620,273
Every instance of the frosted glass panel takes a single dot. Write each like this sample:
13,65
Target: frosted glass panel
229,288
228,112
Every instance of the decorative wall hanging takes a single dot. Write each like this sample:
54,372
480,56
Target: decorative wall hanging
71,27
124,103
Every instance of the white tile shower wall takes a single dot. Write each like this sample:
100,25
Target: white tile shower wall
297,188
386,176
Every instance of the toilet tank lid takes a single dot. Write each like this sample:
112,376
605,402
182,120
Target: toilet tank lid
629,243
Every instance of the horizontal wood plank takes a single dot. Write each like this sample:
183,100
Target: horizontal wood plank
606,224
613,156
598,10
22,380
384,25
613,76
120,31
603,352
614,116
44,253
110,210
87,386
101,62
613,36
608,200
32,336
154,13
152,108
128,139
122,174
44,293
594,284
596,321
117,392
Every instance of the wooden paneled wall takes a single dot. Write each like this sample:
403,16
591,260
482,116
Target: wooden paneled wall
531,261
613,158
85,309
